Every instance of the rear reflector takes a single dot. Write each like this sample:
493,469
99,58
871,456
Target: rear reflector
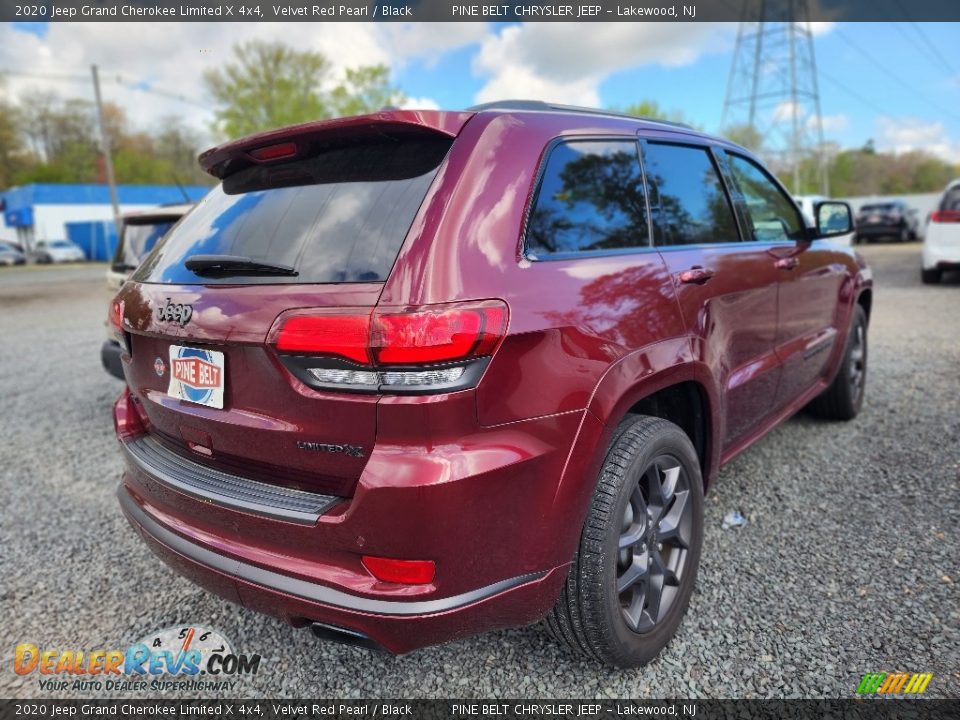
274,152
945,216
126,418
408,572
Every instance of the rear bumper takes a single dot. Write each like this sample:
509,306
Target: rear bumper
497,509
941,248
398,626
879,230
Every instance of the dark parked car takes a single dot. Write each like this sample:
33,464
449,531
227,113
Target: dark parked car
894,219
11,255
406,377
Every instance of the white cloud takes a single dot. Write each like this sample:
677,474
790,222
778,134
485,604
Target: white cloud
906,134
170,58
420,103
831,123
565,62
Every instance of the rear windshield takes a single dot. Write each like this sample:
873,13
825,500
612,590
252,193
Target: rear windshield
138,240
338,216
951,199
887,207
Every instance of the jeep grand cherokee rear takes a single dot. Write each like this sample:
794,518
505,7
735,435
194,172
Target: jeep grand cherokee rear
411,376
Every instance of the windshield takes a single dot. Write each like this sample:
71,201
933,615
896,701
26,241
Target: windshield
137,241
886,207
337,216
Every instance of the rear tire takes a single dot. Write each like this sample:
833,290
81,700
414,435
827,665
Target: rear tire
844,398
631,579
930,277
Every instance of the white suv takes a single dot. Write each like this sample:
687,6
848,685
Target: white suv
941,243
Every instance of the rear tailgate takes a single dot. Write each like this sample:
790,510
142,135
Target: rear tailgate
329,204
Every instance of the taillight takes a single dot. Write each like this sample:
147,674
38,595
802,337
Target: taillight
344,336
423,349
945,216
437,335
116,315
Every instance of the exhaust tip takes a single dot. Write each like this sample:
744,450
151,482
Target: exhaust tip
332,633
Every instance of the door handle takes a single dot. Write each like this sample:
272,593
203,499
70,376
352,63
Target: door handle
696,275
787,263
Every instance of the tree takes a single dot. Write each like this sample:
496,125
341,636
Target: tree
269,85
13,153
364,89
746,135
651,110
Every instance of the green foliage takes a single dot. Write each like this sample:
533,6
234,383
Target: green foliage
269,85
651,110
745,135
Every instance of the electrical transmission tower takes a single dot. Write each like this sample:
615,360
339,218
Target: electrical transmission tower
772,90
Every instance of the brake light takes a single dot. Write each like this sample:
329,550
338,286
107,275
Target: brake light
274,152
408,572
430,336
945,216
420,349
344,336
116,315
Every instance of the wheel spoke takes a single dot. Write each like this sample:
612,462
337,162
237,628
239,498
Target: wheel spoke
674,528
631,536
635,572
654,587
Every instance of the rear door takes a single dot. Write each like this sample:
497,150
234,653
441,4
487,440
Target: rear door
727,289
810,276
320,230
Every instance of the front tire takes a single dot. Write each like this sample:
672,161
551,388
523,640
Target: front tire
844,398
930,277
632,576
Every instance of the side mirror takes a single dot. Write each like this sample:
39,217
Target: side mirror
834,217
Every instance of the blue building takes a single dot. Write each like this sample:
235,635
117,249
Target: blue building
40,211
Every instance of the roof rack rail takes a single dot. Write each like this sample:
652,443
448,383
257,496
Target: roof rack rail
539,105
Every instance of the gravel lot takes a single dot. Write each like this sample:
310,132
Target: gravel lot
848,562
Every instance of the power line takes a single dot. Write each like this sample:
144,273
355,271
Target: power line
926,40
893,76
115,80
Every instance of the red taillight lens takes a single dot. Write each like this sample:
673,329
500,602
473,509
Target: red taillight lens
424,335
408,572
116,315
945,216
126,419
432,335
274,152
344,336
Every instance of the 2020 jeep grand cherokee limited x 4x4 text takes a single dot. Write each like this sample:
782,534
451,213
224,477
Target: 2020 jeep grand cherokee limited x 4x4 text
410,376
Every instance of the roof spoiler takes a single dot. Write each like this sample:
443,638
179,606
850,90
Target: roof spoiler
288,142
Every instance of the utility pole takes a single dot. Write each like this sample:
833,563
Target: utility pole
773,88
107,158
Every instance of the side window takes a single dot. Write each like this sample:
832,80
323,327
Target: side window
771,214
591,197
687,197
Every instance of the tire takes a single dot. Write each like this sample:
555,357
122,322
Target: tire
589,617
844,398
930,277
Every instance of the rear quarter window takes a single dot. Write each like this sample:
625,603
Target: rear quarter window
337,216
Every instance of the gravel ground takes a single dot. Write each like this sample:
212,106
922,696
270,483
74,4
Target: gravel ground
848,562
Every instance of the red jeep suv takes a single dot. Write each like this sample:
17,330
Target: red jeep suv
410,376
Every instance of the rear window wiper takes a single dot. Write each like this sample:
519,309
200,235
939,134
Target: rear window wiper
235,265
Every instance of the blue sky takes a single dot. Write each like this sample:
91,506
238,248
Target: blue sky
898,84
